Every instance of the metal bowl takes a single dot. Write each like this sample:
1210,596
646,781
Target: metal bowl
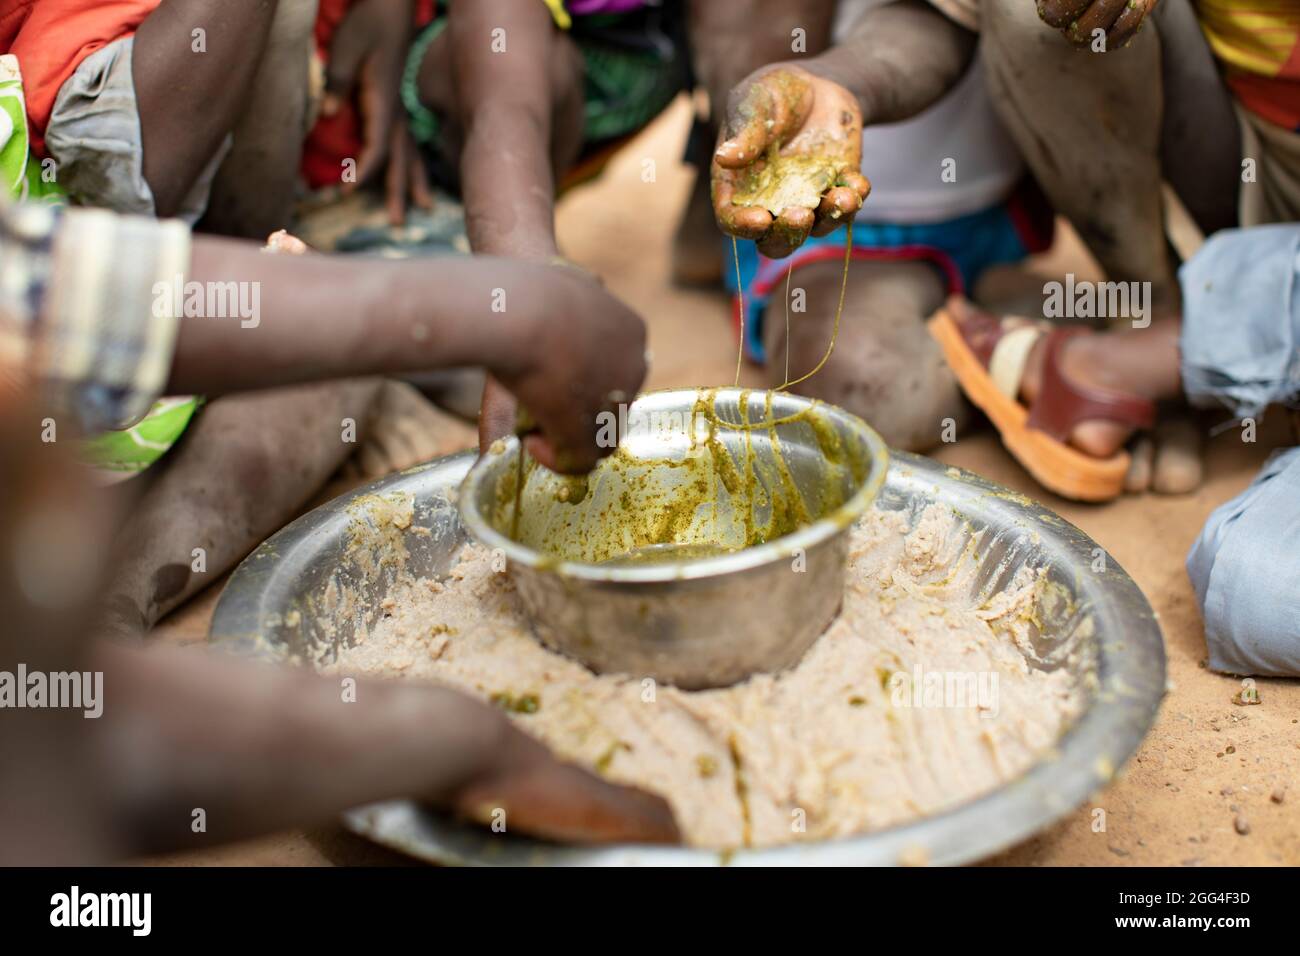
319,583
709,548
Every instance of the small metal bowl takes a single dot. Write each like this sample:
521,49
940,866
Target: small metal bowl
764,484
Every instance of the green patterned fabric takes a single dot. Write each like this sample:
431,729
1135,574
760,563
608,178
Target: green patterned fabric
24,177
132,450
624,88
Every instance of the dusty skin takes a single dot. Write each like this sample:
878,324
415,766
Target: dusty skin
853,738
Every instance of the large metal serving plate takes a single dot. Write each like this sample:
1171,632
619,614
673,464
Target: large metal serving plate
1105,632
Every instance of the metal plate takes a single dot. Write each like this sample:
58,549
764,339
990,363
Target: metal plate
1106,632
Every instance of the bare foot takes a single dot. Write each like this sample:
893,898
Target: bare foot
1179,465
1084,360
885,367
1141,463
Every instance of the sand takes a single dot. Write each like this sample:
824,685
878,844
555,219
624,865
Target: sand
1205,764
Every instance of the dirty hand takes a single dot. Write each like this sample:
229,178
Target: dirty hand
367,56
526,787
1079,20
579,352
806,125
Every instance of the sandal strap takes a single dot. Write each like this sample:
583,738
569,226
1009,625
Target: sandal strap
1010,356
1002,345
1062,404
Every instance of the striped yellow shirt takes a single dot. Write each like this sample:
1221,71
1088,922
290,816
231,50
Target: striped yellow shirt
1258,44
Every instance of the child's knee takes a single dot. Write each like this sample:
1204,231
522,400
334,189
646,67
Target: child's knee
885,367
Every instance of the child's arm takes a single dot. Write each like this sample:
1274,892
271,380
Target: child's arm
515,97
165,732
504,72
565,347
367,56
899,60
262,748
104,313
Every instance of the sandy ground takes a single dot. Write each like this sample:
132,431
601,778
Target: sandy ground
1209,769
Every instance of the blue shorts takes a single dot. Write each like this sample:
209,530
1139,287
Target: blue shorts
961,249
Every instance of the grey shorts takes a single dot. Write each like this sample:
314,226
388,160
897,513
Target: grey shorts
94,138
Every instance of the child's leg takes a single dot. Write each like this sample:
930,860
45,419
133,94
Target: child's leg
885,368
1100,131
246,464
1200,142
254,190
143,123
1088,125
194,68
1243,569
518,221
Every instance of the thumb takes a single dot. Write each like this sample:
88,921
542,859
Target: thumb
747,129
496,413
762,111
564,803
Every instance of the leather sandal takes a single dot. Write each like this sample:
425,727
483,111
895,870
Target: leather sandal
989,355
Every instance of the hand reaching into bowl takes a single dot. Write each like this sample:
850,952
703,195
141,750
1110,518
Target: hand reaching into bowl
522,785
788,163
259,747
578,352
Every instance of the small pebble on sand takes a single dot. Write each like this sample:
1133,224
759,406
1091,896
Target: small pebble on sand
1241,825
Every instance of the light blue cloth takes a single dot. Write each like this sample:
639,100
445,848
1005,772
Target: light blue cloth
1245,567
1241,320
1241,330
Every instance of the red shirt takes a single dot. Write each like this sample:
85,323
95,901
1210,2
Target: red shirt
52,37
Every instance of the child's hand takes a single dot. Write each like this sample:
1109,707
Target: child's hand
579,352
788,163
368,55
542,796
1078,20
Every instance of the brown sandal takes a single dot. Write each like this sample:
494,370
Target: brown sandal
989,356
